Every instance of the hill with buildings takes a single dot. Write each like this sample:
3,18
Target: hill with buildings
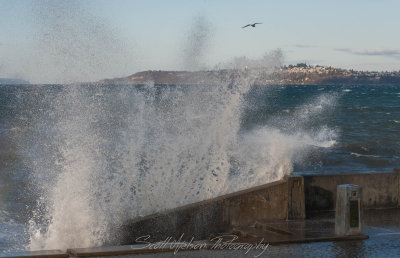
292,74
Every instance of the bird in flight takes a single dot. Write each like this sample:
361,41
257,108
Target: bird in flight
252,25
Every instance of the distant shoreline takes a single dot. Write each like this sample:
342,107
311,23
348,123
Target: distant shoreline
11,81
292,74
300,74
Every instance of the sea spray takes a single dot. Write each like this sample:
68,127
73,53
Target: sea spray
71,44
196,43
268,152
104,154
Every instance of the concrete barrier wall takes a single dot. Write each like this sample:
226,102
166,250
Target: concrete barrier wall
380,190
266,202
289,198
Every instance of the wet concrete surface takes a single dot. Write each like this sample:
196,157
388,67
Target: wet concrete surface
382,226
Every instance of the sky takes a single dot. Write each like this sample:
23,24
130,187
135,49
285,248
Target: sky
51,41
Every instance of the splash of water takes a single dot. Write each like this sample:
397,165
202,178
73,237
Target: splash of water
72,45
105,154
197,40
100,155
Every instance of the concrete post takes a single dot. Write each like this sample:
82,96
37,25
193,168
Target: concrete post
296,202
349,215
396,171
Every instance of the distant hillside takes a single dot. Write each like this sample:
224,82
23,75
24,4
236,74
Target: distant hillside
171,77
298,74
12,81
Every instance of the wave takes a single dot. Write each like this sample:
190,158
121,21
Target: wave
101,155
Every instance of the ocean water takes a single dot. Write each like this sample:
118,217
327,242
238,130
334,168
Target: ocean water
78,160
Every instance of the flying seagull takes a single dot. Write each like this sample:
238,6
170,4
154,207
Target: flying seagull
252,25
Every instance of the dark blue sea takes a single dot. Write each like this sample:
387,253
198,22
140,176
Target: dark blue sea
107,137
365,117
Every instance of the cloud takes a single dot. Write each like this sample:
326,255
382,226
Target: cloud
394,53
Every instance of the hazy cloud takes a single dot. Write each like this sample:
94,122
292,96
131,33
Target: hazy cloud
394,53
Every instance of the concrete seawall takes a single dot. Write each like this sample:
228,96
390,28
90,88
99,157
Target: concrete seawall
278,200
291,198
380,190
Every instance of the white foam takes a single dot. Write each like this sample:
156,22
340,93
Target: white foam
364,155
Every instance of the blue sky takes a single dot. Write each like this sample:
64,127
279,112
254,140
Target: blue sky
62,41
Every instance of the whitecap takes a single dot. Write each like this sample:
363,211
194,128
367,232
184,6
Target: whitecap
358,155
